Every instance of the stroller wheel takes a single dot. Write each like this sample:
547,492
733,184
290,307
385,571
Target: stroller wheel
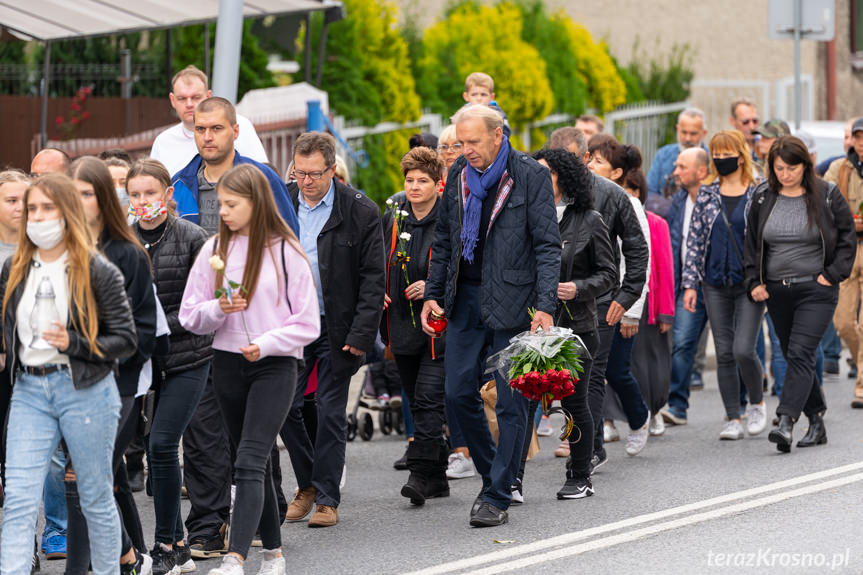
385,421
352,427
367,427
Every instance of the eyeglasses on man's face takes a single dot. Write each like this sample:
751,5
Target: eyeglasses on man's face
301,175
445,148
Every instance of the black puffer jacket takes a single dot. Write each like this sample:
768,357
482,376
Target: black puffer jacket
611,201
116,337
588,261
838,238
138,282
521,256
397,330
172,259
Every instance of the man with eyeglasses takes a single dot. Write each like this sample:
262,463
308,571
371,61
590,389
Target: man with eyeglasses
340,232
744,119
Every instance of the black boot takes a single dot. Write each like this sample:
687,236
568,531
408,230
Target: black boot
437,484
816,434
781,435
426,480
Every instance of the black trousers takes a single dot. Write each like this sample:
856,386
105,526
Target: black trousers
254,398
319,464
596,385
800,314
423,380
207,468
581,438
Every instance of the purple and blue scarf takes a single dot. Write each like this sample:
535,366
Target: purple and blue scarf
478,185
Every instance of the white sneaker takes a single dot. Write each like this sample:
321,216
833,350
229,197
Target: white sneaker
609,432
733,430
459,467
273,566
230,566
544,429
657,425
757,418
344,476
637,439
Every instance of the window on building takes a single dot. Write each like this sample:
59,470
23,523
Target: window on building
856,33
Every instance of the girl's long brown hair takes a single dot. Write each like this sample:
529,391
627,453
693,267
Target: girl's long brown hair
80,247
247,181
95,172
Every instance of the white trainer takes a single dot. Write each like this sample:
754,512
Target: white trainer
609,432
637,439
273,566
230,566
733,430
459,467
657,425
756,421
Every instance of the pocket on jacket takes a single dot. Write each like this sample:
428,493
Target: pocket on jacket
518,277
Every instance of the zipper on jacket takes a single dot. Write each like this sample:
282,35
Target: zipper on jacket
460,223
761,262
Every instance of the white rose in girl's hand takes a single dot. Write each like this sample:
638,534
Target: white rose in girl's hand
216,263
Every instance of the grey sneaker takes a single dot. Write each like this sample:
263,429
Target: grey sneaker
637,439
657,425
756,421
733,430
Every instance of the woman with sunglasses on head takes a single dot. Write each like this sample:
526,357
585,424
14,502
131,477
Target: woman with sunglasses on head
179,376
714,261
115,239
66,324
261,328
800,245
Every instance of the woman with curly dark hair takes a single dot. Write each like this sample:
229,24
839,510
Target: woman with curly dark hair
587,269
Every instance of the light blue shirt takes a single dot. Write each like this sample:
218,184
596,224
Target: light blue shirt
312,220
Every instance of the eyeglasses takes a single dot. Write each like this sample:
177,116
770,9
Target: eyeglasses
445,148
300,175
747,121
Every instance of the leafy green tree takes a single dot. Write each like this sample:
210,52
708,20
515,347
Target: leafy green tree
367,74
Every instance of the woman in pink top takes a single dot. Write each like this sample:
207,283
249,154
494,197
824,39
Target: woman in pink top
261,327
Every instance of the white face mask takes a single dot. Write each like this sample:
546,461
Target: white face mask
123,197
46,234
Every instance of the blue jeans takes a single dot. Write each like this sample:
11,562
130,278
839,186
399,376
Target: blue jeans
178,397
618,373
685,333
54,497
469,342
831,344
45,409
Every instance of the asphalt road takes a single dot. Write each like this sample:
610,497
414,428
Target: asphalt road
687,504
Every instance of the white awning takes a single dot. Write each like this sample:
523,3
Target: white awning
63,19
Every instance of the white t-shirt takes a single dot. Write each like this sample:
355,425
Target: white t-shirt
175,147
687,217
56,273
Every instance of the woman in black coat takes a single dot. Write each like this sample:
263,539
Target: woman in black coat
800,244
587,269
408,240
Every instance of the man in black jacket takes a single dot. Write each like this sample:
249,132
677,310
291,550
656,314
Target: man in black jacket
340,232
611,201
496,254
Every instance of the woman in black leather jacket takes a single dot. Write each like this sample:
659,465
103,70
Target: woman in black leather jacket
66,324
181,375
587,269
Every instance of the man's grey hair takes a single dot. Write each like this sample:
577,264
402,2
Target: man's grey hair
741,102
493,120
694,113
311,142
563,138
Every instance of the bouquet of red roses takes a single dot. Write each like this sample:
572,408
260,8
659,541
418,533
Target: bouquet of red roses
543,366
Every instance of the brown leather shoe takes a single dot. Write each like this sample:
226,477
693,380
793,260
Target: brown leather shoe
301,505
325,516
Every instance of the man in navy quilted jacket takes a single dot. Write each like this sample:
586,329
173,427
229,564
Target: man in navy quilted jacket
496,253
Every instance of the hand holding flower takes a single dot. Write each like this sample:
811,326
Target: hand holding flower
251,353
233,305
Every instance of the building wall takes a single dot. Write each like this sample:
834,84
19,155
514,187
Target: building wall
849,81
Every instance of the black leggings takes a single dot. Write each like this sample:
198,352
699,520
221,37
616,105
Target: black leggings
254,399
423,381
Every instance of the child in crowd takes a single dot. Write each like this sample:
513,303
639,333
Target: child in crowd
479,89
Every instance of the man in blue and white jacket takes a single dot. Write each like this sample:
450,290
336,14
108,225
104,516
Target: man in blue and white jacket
691,130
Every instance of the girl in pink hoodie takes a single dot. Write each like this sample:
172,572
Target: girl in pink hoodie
252,285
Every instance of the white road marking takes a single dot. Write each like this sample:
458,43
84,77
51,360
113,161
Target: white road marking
570,538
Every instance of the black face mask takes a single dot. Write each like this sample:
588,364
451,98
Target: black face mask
726,166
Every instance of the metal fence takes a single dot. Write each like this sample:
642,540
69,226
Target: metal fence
649,126
66,79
